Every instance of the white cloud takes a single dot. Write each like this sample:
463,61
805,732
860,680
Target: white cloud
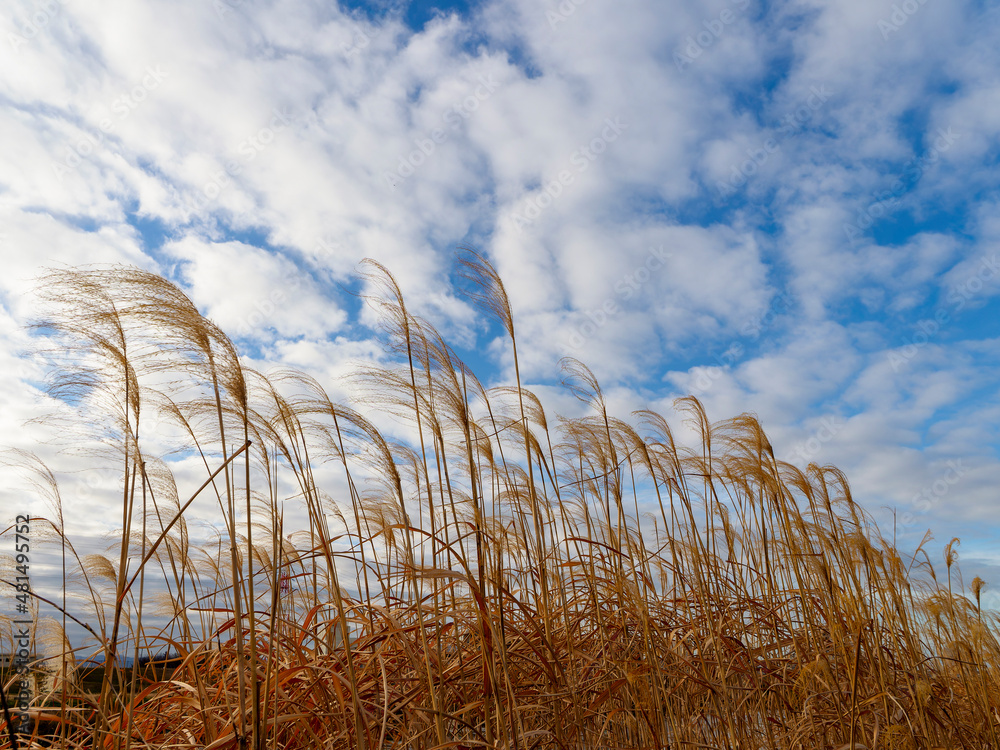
251,293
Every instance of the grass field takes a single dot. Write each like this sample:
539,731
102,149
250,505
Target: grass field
506,578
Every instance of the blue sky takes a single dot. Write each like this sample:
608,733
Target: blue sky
784,208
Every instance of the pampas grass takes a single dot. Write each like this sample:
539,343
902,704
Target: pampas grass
502,579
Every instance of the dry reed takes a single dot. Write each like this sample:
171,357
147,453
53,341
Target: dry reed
505,580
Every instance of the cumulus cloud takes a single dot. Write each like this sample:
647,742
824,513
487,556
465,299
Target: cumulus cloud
786,209
254,294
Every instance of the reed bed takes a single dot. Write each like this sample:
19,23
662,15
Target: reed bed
499,578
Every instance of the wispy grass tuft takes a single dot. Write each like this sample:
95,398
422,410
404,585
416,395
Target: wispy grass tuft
506,579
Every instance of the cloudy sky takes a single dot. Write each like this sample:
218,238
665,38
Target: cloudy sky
787,208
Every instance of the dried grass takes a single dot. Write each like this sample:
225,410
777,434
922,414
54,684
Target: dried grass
508,580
